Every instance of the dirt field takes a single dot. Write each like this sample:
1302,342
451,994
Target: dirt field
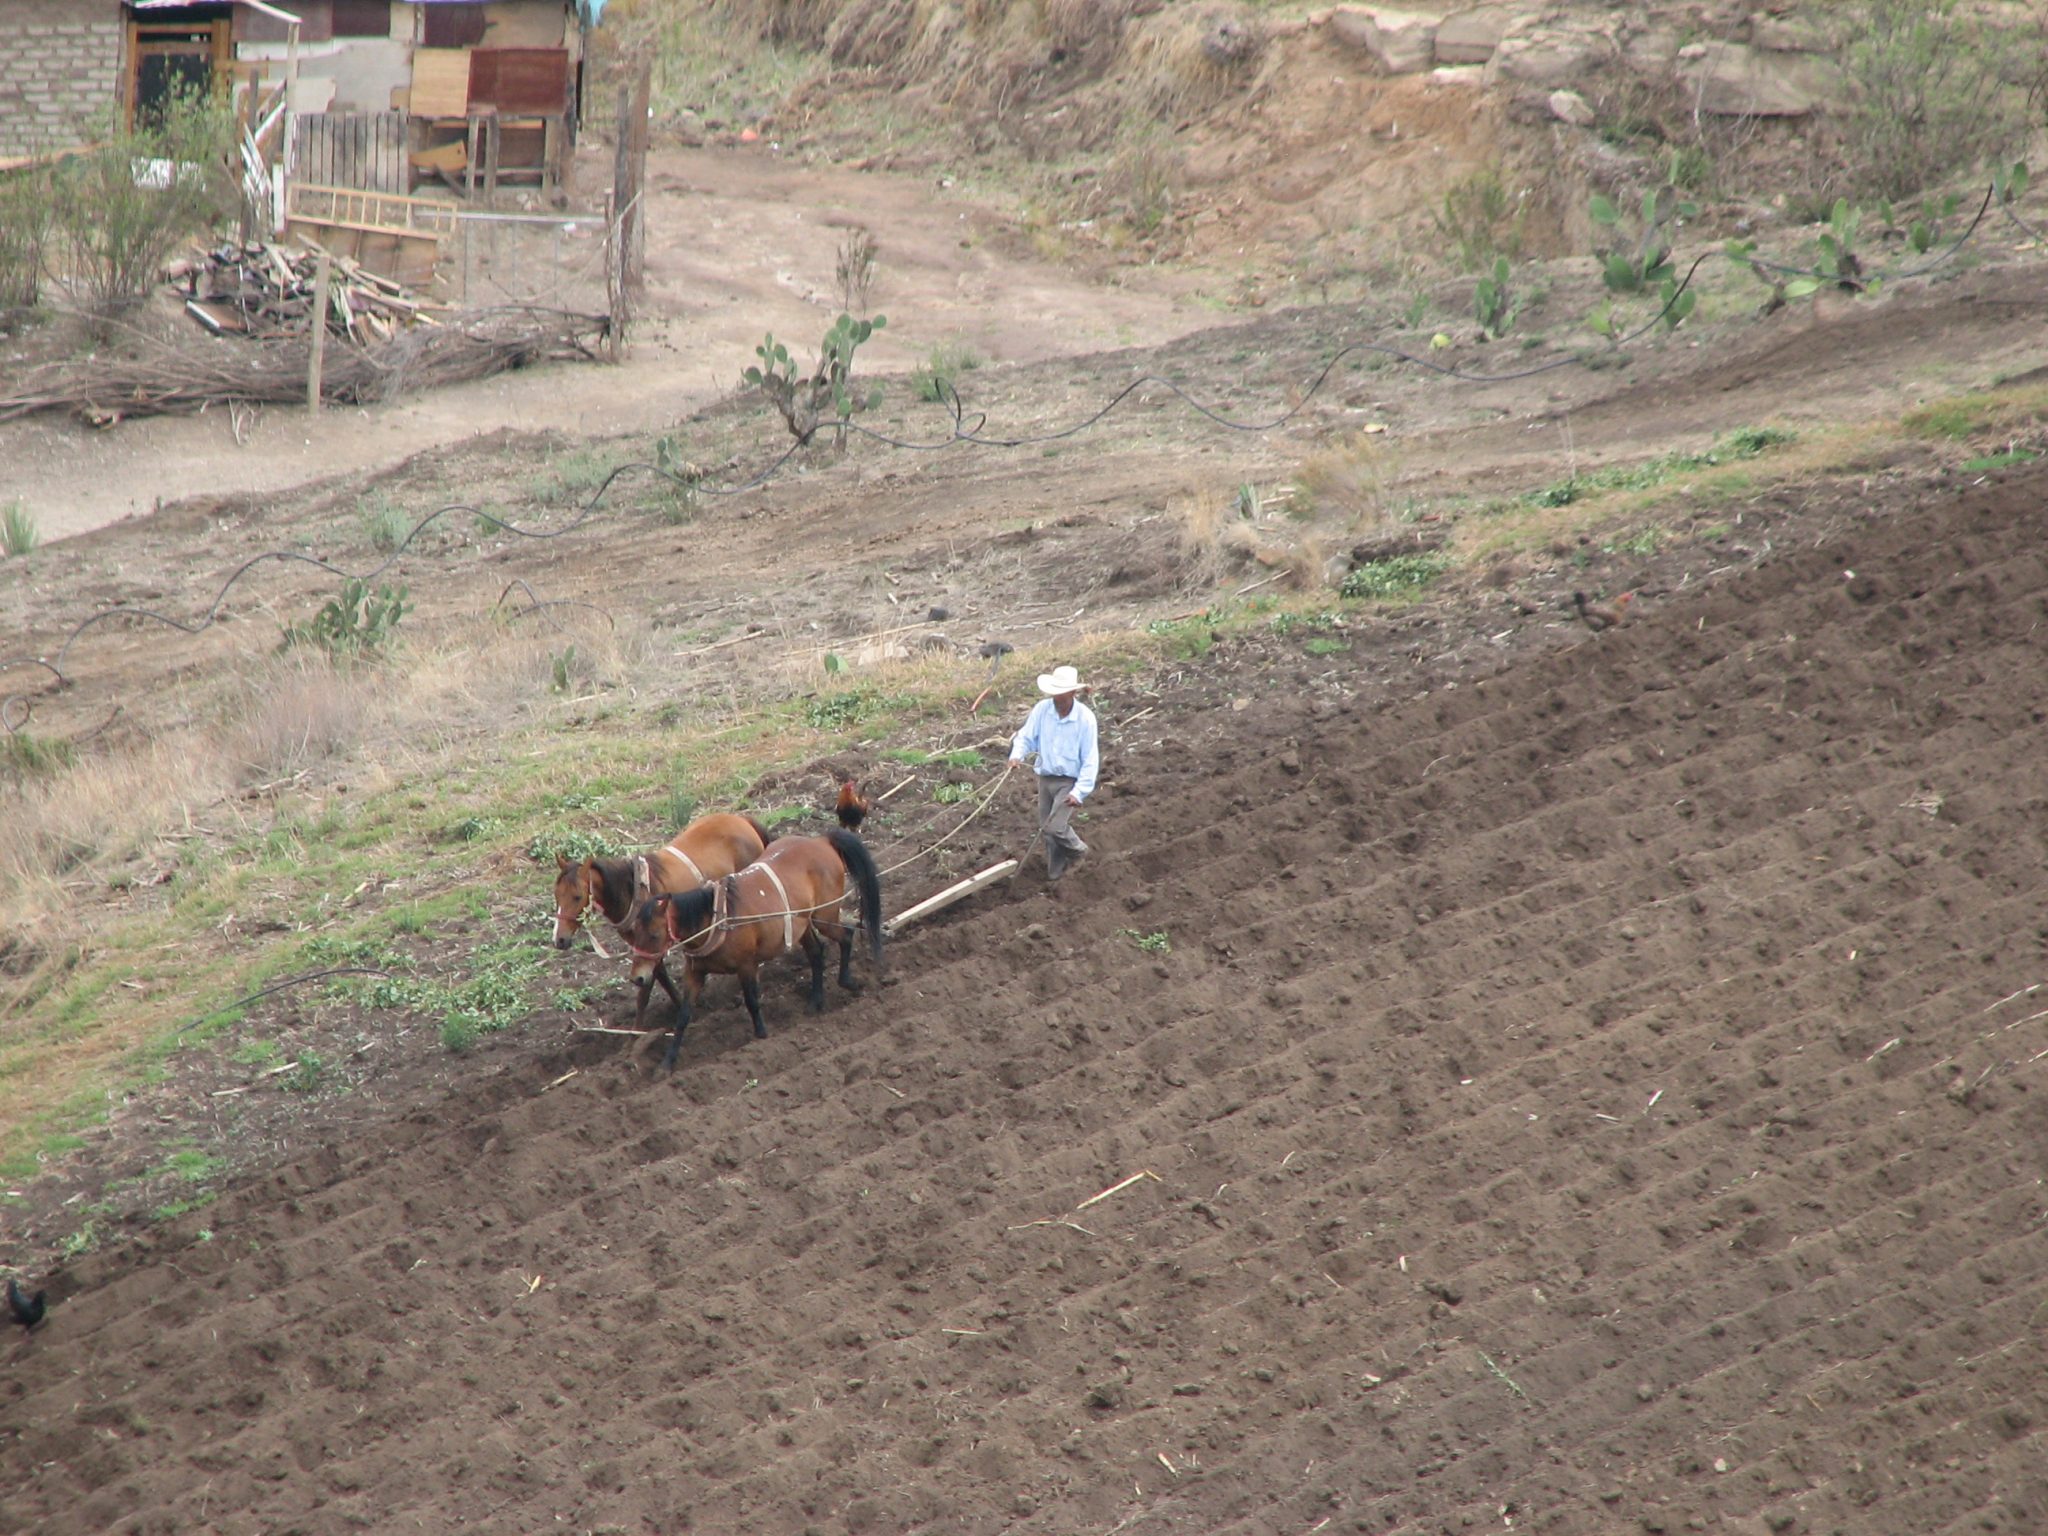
1598,1091
1489,1076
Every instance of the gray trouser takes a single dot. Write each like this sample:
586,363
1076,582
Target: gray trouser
1056,819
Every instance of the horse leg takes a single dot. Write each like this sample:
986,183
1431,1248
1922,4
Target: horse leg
692,985
847,980
750,989
667,983
644,986
814,951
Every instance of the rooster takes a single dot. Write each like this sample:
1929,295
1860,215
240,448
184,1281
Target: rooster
1597,617
27,1310
853,806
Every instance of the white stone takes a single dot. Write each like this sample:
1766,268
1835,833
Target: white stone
1734,80
1570,107
1548,54
1469,37
1400,42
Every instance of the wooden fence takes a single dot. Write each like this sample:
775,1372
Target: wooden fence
365,150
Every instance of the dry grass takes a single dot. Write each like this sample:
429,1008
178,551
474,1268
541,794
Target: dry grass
300,711
1345,480
97,811
1167,69
1208,535
1307,559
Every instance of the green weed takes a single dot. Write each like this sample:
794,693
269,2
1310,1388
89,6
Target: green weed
2004,460
1189,639
311,1075
1399,576
28,755
385,524
573,845
1744,443
18,532
935,379
1154,943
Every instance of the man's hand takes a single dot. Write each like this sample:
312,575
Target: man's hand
1072,798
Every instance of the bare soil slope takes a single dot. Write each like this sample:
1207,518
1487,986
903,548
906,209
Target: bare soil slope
1598,1093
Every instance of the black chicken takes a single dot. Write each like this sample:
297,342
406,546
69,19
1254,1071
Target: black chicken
27,1310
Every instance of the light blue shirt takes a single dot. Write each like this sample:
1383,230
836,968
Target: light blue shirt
1064,747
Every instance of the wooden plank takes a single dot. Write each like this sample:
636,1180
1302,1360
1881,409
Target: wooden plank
322,275
520,81
440,82
951,894
364,226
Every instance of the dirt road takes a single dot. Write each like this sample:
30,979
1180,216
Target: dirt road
740,242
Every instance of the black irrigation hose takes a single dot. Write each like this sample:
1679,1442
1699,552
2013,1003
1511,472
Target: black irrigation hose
961,433
540,605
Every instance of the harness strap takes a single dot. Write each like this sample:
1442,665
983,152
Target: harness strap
696,875
788,917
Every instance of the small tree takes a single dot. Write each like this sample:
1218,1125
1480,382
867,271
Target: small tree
804,401
120,209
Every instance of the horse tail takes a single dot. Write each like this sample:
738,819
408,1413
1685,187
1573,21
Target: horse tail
760,831
860,866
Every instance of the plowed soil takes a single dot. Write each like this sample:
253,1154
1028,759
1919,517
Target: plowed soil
1598,1091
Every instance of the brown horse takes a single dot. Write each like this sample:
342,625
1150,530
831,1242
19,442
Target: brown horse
709,848
786,900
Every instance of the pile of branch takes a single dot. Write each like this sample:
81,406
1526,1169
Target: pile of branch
159,379
266,291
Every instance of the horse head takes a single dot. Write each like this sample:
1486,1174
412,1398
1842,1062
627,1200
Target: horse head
573,896
642,927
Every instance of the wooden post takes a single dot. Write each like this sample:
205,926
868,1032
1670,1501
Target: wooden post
622,170
492,140
322,275
618,307
636,210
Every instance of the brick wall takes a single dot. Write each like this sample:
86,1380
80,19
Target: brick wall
59,66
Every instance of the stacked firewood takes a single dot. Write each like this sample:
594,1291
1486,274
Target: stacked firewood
267,291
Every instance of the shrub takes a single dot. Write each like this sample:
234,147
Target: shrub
26,214
856,270
121,208
1928,95
385,524
1481,219
358,620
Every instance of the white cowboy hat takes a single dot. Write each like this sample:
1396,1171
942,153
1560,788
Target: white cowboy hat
1060,680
